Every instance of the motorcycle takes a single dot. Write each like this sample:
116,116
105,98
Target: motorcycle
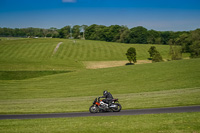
100,106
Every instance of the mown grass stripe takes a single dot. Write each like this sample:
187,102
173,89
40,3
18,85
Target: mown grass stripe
121,52
109,50
99,49
3,50
16,52
64,50
32,51
24,49
89,45
8,51
105,46
61,52
103,53
76,51
81,50
114,51
39,51
47,51
70,50
94,50
27,49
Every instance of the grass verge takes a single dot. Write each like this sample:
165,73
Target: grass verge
21,75
119,80
175,122
167,98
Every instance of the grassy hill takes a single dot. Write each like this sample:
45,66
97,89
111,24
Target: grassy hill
79,50
34,80
85,50
174,83
119,80
37,54
34,55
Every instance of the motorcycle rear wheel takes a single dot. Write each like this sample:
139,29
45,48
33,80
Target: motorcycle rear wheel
118,108
93,109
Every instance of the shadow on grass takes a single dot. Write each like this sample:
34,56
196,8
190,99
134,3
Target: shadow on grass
129,64
21,75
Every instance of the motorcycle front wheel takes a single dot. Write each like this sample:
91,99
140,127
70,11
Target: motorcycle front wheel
118,108
93,109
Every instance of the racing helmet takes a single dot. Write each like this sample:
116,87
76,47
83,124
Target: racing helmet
105,93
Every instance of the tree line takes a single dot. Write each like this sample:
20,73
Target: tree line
113,33
29,32
189,40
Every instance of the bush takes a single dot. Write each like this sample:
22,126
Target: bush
131,55
157,57
152,50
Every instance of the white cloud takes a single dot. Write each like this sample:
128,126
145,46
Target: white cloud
69,1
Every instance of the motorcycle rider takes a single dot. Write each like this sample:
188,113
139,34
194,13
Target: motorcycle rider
108,97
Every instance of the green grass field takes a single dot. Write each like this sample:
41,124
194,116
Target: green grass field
37,54
165,123
159,83
81,50
139,86
156,99
34,80
33,55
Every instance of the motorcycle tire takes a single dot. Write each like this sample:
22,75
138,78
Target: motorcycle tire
93,109
118,109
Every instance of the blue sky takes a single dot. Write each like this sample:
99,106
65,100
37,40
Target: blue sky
173,15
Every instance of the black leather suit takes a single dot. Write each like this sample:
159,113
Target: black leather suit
108,98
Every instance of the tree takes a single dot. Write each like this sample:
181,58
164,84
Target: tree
175,51
124,35
65,32
153,37
31,32
165,37
82,29
154,54
76,31
113,33
90,32
157,57
101,32
195,47
195,50
184,41
53,32
131,55
96,32
152,51
138,35
45,32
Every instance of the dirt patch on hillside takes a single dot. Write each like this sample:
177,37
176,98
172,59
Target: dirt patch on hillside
58,45
106,64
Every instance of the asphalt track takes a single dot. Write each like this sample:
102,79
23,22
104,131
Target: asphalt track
123,112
